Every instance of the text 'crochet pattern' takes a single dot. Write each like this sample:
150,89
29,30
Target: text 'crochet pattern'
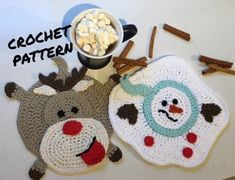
167,114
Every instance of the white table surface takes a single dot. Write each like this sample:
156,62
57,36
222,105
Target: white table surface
211,24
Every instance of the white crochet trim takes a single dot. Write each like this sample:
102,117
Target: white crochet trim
45,90
168,150
83,85
59,150
49,91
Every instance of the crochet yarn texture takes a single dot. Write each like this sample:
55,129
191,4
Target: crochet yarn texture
167,114
63,119
58,146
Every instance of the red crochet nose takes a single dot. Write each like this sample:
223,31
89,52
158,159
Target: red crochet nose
175,109
72,128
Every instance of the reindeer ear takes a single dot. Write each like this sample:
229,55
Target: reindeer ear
83,85
45,90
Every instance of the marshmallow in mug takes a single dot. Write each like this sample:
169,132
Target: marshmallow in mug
94,33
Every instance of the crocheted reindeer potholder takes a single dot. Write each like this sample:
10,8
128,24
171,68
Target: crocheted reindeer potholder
167,114
63,119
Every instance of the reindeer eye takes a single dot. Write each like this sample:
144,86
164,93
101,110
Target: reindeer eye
60,113
74,109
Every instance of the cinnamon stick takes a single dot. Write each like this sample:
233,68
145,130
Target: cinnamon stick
208,60
127,48
151,44
129,61
124,53
218,68
208,71
177,32
128,67
117,65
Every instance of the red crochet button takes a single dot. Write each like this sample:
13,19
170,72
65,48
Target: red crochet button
148,141
72,128
191,137
187,152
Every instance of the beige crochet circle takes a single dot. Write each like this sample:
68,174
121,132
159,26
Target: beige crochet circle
59,150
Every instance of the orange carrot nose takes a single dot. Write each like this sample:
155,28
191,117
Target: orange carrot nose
175,109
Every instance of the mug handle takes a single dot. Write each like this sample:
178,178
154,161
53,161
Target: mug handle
129,30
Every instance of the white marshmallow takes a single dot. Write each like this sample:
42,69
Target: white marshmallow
95,52
101,52
86,47
95,14
82,34
111,29
84,29
90,24
80,42
116,37
95,21
92,30
93,46
101,16
83,20
89,16
106,42
101,23
107,21
86,40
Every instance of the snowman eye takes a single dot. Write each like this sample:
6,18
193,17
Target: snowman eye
175,101
164,103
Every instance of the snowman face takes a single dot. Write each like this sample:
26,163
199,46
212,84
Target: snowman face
170,108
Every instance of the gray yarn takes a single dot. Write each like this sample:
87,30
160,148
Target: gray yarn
38,112
39,165
34,112
62,67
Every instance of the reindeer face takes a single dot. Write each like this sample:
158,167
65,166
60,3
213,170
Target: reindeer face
63,120
74,140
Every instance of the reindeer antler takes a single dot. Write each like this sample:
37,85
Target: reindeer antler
58,84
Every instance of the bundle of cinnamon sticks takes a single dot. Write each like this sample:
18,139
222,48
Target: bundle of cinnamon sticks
123,64
214,65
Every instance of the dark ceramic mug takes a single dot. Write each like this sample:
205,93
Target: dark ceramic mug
97,62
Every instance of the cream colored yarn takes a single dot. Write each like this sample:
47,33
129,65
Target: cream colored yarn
58,150
170,144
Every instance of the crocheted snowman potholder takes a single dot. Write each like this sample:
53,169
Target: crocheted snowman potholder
167,114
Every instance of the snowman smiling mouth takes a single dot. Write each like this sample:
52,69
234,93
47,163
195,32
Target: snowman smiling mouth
167,115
